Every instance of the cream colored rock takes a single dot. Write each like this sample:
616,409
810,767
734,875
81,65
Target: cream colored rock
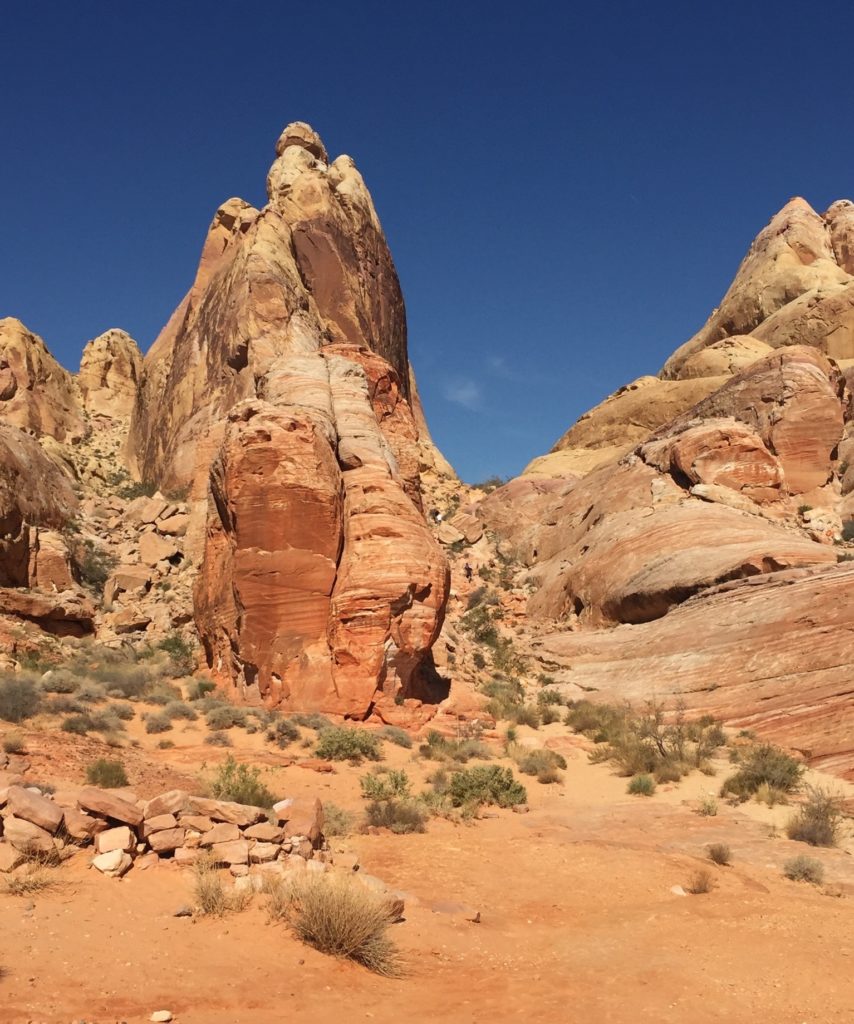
109,374
36,393
120,838
114,864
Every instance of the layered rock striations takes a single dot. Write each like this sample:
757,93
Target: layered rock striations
683,536
278,394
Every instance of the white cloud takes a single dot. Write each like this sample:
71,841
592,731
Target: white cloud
463,392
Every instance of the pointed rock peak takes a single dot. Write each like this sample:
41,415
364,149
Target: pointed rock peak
298,133
233,212
109,372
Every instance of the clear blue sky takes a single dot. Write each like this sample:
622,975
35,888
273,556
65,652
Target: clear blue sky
567,188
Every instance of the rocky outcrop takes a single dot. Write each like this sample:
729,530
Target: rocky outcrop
309,269
109,375
36,394
321,586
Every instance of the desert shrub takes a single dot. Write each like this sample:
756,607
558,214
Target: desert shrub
479,660
91,693
545,698
486,784
200,688
127,681
505,657
399,816
770,795
161,693
526,714
108,774
439,748
760,764
720,853
506,697
92,563
549,715
388,786
343,919
157,723
106,721
400,737
211,897
14,744
599,722
240,783
225,716
178,709
708,807
341,744
123,711
282,732
62,704
668,771
848,530
818,821
804,869
180,652
479,623
336,820
217,739
165,745
311,720
701,882
77,724
19,699
548,776
641,785
34,879
476,597
58,682
532,762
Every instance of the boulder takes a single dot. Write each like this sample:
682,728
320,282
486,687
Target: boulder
109,374
226,811
80,826
224,832
158,823
120,838
33,807
175,801
27,837
113,864
231,853
305,818
154,548
166,840
10,858
264,832
109,805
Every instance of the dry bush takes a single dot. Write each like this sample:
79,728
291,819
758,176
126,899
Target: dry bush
702,881
818,821
212,898
763,764
720,853
342,919
33,880
804,869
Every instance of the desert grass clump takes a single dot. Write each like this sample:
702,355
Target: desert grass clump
77,724
240,783
343,920
177,709
336,820
708,807
701,882
804,869
33,880
720,853
439,748
342,744
19,699
282,732
544,764
818,821
217,739
399,816
400,737
107,774
14,744
486,784
210,895
641,785
157,723
763,764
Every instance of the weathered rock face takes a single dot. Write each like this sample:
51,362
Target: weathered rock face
36,394
321,585
707,534
109,375
279,392
309,269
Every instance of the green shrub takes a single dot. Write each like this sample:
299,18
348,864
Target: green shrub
62,705
764,763
398,816
641,785
77,724
180,651
225,716
107,774
848,530
818,821
341,744
157,723
312,720
804,869
19,699
486,784
178,709
389,786
599,722
123,711
720,853
282,732
240,783
439,748
400,737
549,715
59,682
200,688
479,660
93,564
549,697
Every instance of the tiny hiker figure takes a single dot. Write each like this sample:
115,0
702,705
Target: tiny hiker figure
467,569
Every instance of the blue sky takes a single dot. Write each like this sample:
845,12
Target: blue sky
567,191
